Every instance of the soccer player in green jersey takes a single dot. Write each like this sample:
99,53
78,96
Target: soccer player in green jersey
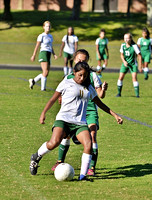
102,52
128,51
145,43
92,115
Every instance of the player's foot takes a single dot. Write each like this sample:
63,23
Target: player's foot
43,90
56,164
91,172
146,78
138,96
34,163
118,95
82,178
31,83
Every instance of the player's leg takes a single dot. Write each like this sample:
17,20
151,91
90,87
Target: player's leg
120,83
65,68
70,64
45,71
85,139
93,130
146,70
62,151
105,63
135,83
56,138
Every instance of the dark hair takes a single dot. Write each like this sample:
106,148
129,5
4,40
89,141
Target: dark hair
102,30
68,34
147,31
83,65
82,51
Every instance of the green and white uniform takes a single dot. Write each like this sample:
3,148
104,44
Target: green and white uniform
46,41
130,56
102,44
145,48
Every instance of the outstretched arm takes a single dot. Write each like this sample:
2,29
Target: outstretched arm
105,108
48,106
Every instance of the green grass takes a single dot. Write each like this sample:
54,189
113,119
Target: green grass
18,38
124,167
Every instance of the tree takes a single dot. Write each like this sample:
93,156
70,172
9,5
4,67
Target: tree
76,10
128,9
7,16
106,7
149,12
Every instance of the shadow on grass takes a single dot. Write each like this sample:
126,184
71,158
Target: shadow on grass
88,21
138,170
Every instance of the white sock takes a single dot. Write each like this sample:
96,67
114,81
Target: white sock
95,146
146,69
37,78
70,70
43,149
65,142
43,82
104,66
135,84
85,162
65,69
119,83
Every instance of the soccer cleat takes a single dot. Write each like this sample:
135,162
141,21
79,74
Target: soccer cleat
118,95
56,164
146,78
82,178
91,172
31,83
138,96
34,163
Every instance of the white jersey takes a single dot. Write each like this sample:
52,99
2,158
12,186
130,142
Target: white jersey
70,46
46,42
75,99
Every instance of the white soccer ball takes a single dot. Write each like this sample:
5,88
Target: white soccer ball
64,172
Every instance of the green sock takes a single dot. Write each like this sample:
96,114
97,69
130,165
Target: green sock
136,90
119,89
146,75
94,159
62,152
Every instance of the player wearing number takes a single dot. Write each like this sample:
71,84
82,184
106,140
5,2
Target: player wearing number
102,53
128,51
44,41
71,119
69,47
145,43
92,115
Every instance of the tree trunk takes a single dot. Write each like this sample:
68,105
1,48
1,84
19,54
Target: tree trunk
7,16
106,7
149,12
128,9
76,10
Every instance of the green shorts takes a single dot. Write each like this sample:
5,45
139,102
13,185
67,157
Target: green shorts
70,129
132,68
146,57
67,55
103,56
92,118
45,56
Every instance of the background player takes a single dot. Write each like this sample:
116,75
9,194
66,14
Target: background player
145,43
69,47
128,51
44,41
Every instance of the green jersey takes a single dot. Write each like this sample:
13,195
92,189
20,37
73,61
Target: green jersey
102,44
145,45
130,53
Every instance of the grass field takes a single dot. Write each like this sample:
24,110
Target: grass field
124,167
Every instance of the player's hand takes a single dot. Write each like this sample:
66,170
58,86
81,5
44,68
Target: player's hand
42,118
104,86
140,69
119,119
125,63
55,57
32,58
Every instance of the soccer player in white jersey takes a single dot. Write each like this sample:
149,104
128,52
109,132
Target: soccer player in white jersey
128,51
145,44
69,47
71,119
44,41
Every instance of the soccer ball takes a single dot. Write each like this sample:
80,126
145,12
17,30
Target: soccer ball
64,172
